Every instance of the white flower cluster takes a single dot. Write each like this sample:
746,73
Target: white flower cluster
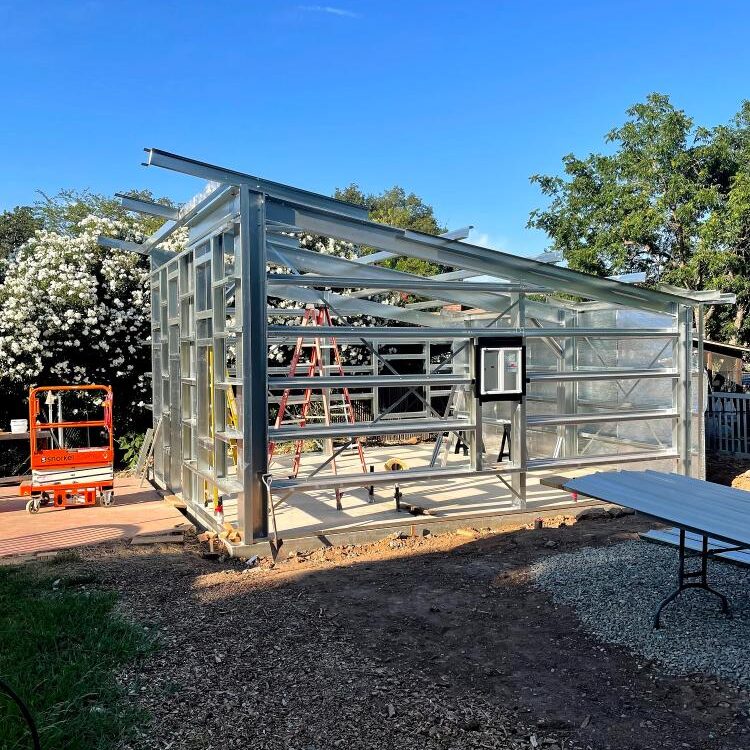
73,312
176,241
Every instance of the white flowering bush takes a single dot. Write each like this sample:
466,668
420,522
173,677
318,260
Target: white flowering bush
74,313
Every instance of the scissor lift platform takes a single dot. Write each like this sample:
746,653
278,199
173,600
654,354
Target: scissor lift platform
62,474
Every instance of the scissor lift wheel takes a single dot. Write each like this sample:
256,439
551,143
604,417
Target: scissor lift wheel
33,505
107,498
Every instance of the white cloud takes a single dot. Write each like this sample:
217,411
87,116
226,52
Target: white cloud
499,242
330,9
484,239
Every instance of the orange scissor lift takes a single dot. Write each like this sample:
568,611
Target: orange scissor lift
62,475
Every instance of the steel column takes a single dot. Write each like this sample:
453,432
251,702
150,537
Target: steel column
683,391
252,502
518,417
700,470
475,438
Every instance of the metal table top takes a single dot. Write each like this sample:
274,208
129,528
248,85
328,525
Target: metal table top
720,512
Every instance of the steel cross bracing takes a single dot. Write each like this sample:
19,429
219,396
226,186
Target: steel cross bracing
254,222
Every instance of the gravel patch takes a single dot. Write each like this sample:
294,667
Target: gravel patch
615,590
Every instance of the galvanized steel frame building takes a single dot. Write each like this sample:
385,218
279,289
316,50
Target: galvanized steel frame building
210,308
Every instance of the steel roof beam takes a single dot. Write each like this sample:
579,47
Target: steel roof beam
148,207
482,260
158,158
157,256
310,261
371,258
456,234
189,211
704,296
419,284
114,244
350,306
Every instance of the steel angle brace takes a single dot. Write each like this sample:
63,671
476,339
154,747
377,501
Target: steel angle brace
510,487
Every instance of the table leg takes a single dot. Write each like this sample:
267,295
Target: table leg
684,582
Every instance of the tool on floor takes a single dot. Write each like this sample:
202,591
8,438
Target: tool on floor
396,464
66,469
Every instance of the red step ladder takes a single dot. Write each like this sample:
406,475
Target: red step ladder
316,365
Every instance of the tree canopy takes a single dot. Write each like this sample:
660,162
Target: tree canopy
64,212
398,208
670,198
16,227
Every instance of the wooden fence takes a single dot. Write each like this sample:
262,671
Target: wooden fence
728,423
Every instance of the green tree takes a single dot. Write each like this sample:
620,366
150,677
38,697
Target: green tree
398,208
16,227
670,199
64,211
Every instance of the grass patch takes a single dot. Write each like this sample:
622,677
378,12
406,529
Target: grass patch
60,646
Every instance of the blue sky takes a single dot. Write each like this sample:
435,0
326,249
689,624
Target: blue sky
458,101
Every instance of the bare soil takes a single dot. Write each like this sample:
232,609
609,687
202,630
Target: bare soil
728,469
435,642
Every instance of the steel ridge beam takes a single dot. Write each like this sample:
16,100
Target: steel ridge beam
206,171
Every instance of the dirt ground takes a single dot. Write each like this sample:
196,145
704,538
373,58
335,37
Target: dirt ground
436,642
727,469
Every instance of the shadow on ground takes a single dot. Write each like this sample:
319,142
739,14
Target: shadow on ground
420,643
